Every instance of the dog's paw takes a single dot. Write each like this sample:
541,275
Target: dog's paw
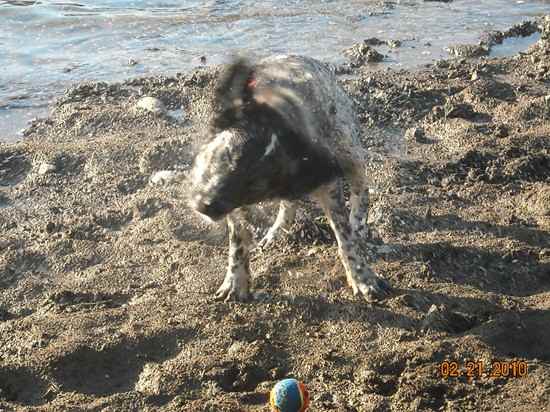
372,288
375,289
234,288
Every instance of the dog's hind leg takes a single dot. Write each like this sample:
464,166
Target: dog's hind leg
359,202
285,218
236,285
351,248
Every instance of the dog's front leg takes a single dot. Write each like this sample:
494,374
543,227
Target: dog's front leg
360,276
236,285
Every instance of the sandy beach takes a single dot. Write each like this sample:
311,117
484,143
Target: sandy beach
107,278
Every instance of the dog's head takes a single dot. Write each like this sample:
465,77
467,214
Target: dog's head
254,151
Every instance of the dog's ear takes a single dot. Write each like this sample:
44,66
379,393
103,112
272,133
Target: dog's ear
235,88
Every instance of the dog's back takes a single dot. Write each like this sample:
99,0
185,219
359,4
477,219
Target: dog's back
327,110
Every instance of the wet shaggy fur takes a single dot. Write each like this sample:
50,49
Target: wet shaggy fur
283,128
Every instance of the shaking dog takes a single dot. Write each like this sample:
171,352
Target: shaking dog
283,128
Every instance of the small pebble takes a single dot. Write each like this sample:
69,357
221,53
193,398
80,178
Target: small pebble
45,168
163,177
394,43
415,134
150,104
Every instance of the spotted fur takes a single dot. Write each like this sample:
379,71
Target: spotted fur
282,129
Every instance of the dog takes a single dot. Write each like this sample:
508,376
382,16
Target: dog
283,128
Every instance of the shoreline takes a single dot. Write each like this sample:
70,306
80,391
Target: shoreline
16,117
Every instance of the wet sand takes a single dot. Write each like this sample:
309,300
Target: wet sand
106,278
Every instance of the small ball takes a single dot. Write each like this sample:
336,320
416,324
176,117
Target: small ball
289,395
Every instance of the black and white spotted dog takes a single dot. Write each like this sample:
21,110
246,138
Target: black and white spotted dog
284,128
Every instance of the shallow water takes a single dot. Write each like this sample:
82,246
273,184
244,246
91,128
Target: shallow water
45,46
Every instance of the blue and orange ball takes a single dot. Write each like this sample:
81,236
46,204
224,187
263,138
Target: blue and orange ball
289,395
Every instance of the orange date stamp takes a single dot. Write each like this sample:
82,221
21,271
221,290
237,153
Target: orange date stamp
478,369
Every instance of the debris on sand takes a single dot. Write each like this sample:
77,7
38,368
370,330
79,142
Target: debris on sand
150,104
394,44
469,50
45,168
373,41
163,177
416,134
362,53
